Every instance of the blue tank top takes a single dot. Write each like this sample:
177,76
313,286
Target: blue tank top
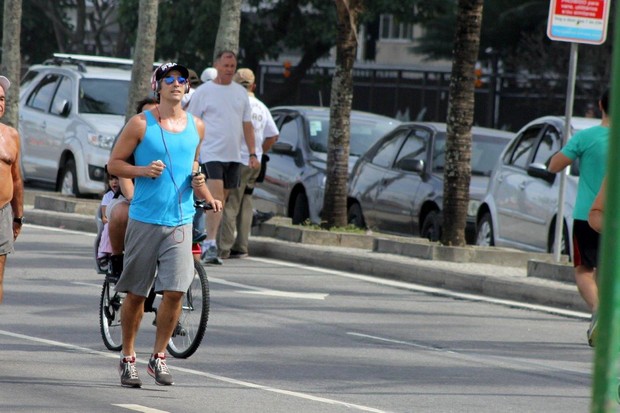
167,200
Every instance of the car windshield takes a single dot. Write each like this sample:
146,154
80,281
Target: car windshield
103,96
364,133
485,152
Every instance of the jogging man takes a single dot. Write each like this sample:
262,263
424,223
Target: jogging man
165,142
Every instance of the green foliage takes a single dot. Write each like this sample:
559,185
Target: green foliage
37,34
185,32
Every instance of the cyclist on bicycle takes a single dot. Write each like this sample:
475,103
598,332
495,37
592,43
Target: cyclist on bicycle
165,142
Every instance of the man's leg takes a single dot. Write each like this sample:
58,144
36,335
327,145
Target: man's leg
246,212
168,314
213,220
167,319
2,264
585,279
131,316
226,235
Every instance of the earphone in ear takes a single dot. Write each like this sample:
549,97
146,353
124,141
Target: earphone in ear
154,83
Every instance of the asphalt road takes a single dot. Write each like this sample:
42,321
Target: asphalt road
284,338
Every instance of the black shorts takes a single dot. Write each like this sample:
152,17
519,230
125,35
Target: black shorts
585,244
229,172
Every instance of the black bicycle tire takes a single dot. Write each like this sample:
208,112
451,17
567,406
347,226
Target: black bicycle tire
103,320
204,316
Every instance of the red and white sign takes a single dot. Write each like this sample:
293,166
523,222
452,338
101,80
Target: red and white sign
578,21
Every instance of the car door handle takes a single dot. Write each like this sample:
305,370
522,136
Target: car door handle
44,125
500,179
522,186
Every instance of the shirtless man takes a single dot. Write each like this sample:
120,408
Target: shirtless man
11,186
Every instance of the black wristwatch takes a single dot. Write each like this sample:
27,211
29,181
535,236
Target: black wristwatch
253,155
19,220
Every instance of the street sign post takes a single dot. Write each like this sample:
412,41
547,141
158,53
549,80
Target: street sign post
574,21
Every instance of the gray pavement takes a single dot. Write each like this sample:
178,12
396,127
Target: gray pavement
506,274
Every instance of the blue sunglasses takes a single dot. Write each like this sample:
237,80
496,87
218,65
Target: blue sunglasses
170,80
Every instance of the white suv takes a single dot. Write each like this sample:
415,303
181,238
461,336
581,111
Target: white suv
70,109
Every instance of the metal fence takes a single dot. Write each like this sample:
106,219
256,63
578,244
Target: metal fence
503,100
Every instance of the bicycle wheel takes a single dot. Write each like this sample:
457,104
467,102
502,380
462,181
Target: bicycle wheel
194,316
110,317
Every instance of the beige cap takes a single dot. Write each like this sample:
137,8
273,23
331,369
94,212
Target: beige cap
244,77
4,82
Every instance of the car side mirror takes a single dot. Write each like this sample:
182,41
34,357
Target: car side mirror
411,165
539,170
282,147
62,108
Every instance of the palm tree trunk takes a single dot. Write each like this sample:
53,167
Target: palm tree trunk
144,55
11,58
457,172
335,200
228,30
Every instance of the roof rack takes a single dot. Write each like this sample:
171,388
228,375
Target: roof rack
82,60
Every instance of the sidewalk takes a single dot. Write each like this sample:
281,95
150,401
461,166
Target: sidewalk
495,272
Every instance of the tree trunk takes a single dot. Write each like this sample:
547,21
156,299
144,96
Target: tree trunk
144,55
228,31
335,200
11,58
457,172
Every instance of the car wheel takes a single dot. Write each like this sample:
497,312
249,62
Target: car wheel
300,209
355,216
484,234
68,182
431,227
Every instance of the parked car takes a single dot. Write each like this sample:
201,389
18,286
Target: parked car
70,109
294,183
520,207
397,186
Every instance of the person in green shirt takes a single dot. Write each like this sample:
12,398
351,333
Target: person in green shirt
589,146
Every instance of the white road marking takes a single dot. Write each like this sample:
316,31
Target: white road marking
139,408
200,373
513,363
267,291
433,290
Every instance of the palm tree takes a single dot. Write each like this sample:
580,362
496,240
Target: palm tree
457,173
335,201
11,57
144,55
228,31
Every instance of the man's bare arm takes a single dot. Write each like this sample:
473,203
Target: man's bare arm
17,202
558,162
248,133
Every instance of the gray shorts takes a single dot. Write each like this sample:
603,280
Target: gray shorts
155,249
6,229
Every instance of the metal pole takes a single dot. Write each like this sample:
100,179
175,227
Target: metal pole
605,383
570,97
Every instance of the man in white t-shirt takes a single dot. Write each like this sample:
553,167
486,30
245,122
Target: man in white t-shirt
238,210
224,107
